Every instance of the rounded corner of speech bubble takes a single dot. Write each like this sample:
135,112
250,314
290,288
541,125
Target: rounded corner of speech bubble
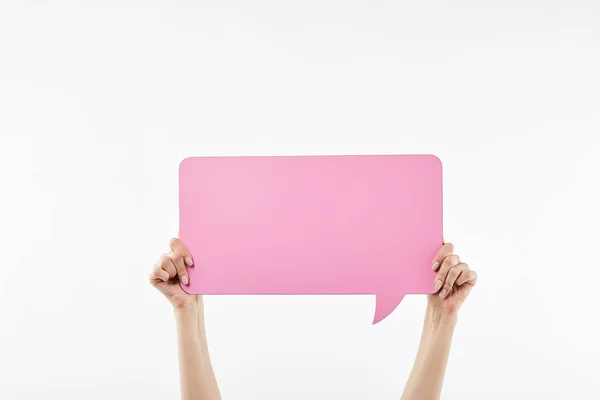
436,159
385,305
184,162
187,288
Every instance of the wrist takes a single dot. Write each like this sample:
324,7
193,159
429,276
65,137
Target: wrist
190,318
189,306
438,316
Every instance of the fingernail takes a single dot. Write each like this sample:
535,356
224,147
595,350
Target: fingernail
438,285
435,266
184,279
189,261
443,293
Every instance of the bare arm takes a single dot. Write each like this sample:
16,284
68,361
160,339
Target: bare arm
196,374
454,281
427,375
197,377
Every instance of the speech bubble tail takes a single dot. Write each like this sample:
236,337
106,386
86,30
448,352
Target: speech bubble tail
384,305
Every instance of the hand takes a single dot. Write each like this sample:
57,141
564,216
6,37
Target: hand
453,282
169,271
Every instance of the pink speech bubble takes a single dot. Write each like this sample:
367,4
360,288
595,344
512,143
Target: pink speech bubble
312,225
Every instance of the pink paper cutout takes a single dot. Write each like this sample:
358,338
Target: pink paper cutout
312,225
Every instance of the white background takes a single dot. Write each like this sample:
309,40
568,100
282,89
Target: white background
100,102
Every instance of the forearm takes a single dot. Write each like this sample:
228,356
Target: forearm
195,369
427,376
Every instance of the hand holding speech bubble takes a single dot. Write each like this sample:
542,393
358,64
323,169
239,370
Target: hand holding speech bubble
312,225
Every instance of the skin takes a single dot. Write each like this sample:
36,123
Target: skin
196,375
453,284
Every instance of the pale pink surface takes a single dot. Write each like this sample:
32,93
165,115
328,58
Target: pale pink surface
312,225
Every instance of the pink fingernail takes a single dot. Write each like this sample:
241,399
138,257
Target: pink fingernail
438,285
435,266
189,261
184,279
443,293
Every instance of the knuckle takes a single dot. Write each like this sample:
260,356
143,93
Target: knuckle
449,247
157,272
177,258
453,273
164,260
450,261
166,264
173,242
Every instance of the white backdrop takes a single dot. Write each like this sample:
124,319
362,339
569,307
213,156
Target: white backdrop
100,102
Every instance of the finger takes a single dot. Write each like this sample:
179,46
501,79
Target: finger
453,275
167,265
447,263
446,250
177,245
467,276
158,274
177,260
